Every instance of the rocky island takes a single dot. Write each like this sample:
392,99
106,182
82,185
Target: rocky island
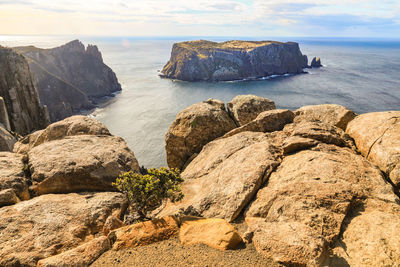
233,60
70,78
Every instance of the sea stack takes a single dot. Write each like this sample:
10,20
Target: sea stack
233,60
316,62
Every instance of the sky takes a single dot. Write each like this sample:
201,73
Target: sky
319,18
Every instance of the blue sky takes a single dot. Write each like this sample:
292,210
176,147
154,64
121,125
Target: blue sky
341,18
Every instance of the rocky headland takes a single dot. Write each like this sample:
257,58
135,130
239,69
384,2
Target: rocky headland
317,186
233,60
70,78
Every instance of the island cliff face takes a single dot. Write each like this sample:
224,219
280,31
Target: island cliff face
20,97
233,60
70,78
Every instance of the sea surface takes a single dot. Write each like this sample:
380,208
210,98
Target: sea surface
361,74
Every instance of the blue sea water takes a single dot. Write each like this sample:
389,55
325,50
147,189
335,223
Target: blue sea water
361,74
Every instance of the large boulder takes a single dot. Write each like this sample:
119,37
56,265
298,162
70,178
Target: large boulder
194,127
75,125
79,163
225,176
144,233
316,62
12,175
52,224
245,108
7,141
377,137
371,236
335,115
216,233
267,121
80,256
300,211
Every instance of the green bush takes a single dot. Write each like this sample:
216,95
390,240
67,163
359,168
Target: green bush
146,190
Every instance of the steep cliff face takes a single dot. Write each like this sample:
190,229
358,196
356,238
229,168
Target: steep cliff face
232,60
19,93
70,78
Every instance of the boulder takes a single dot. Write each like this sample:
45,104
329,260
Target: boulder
79,163
80,256
112,223
225,176
335,115
194,127
7,141
144,233
52,224
316,62
12,174
75,125
301,209
245,108
216,233
8,197
267,121
377,137
371,236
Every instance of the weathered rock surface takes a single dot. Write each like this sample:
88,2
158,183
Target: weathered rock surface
194,127
4,120
316,62
245,108
210,61
377,137
267,121
20,96
12,174
301,209
8,197
7,141
79,163
225,176
145,233
112,223
80,256
69,77
216,233
75,125
371,236
335,115
52,224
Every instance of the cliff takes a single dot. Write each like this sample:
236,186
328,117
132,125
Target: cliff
233,60
19,94
70,77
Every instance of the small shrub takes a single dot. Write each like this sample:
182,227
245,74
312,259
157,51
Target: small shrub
146,190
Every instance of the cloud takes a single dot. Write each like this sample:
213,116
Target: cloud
234,17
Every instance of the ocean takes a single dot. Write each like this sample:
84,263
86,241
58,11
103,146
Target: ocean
361,74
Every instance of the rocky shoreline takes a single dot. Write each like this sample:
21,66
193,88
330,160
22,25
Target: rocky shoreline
317,186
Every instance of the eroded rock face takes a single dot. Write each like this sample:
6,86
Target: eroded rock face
51,224
7,141
82,255
12,174
145,233
370,237
75,125
335,115
194,127
79,163
216,233
316,62
225,176
21,98
301,209
69,77
377,136
245,108
209,61
267,121
8,197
